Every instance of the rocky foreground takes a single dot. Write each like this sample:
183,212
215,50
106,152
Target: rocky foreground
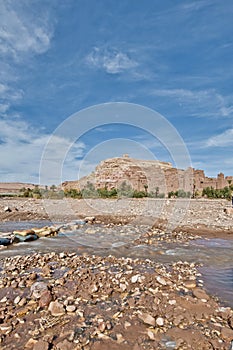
66,302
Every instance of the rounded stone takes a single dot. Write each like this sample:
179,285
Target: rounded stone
160,321
56,308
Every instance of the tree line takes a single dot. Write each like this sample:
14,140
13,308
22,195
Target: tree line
124,190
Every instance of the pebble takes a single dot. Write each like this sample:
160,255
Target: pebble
70,308
3,300
151,334
38,288
190,284
6,328
45,299
135,278
56,308
22,302
128,300
200,294
147,318
160,321
161,281
17,300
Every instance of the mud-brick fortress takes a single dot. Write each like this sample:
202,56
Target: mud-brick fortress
147,175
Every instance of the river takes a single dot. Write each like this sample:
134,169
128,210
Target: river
214,256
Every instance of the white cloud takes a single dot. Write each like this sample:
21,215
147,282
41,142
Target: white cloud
22,32
4,107
21,151
3,88
25,30
112,61
224,139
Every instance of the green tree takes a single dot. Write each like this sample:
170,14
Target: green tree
125,190
36,192
146,187
89,191
53,188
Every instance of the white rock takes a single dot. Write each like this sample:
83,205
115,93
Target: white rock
123,287
161,280
17,300
160,321
134,278
3,300
151,335
70,308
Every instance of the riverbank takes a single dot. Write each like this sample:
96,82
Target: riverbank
195,216
66,302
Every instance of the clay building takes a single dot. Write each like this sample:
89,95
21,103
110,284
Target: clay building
149,175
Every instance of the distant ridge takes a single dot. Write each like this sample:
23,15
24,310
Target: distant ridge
15,187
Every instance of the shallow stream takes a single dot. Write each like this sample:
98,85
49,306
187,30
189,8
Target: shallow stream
215,255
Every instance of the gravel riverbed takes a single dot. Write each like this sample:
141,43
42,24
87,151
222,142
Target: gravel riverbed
64,301
68,300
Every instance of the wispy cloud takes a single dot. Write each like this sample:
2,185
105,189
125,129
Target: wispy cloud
199,103
4,107
196,5
25,31
22,32
111,60
224,139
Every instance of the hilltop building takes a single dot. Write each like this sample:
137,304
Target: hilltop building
147,175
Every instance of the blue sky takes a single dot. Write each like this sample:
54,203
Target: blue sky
60,57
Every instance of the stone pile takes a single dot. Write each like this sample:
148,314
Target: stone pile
156,237
69,302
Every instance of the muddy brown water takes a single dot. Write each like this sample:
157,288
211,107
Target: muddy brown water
214,255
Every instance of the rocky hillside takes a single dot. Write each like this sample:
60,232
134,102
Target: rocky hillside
111,173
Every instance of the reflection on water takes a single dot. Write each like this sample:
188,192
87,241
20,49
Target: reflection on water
215,254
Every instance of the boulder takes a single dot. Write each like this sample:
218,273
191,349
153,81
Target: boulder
28,238
24,232
46,231
5,241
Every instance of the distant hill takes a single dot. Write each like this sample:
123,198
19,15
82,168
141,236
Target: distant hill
14,187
